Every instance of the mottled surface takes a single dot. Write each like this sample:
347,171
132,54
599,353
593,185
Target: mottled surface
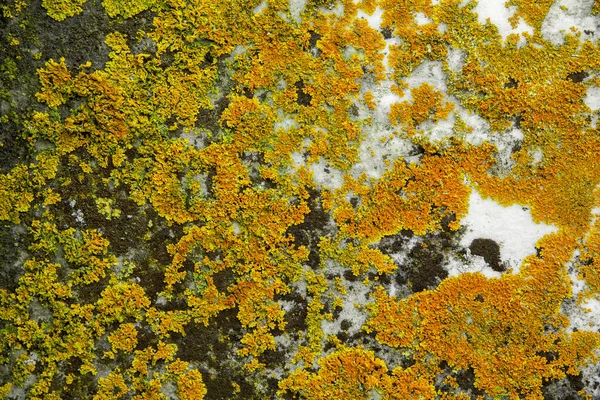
299,199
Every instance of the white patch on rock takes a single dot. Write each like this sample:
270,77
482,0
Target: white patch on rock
260,8
285,122
537,156
356,297
565,14
592,98
587,315
428,72
472,264
326,176
379,142
456,59
296,9
195,137
511,227
422,19
498,14
374,20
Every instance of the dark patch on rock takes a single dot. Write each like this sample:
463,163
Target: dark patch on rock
201,340
146,338
207,119
223,279
314,38
548,355
446,221
426,270
353,110
304,98
209,59
466,381
295,318
343,337
158,245
167,58
346,324
220,105
273,358
220,386
490,251
416,150
558,390
14,149
90,294
387,32
311,229
516,147
538,251
328,346
153,275
518,120
392,244
211,173
248,93
576,382
210,118
83,385
424,265
350,277
314,259
577,77
336,312
384,278
511,84
11,243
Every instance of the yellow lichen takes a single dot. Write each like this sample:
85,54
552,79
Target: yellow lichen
62,9
201,138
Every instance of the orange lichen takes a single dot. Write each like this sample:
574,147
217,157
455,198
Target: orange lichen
414,196
497,327
124,338
122,300
426,104
56,83
533,12
190,386
356,373
420,43
112,386
589,265
236,224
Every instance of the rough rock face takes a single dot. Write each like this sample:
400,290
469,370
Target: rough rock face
274,199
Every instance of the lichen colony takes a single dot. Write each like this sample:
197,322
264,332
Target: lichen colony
263,199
